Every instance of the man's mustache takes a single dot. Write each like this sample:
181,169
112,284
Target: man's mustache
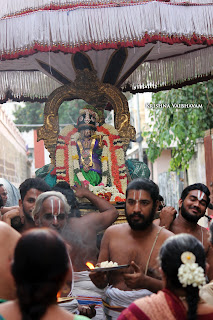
196,208
139,215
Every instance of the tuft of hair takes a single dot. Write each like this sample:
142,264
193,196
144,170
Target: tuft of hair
160,198
144,184
62,185
65,188
43,196
196,186
33,183
170,259
40,266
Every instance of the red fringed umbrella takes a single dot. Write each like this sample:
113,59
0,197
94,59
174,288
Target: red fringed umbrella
134,45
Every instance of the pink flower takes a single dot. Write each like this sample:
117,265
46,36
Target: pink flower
85,182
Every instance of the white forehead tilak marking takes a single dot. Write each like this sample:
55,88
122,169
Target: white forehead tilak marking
59,206
140,194
52,205
200,195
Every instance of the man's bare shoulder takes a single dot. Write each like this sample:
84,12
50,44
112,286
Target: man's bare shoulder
163,232
117,228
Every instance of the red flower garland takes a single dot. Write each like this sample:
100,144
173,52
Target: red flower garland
113,148
66,140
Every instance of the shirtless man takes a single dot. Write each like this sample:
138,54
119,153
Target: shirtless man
79,232
4,197
137,243
8,239
52,211
206,292
21,217
192,206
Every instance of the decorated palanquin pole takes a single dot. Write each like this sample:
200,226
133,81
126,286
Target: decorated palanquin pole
93,155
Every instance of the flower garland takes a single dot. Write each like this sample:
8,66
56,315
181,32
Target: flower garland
63,165
117,168
190,273
114,177
104,191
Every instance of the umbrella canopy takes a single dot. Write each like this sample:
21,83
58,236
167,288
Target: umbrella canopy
43,43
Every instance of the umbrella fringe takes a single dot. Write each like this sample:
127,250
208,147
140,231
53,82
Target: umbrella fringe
165,73
24,6
130,25
172,70
34,85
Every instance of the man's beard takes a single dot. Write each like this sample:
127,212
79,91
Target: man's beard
190,217
27,215
146,222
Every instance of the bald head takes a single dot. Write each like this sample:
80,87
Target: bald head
8,240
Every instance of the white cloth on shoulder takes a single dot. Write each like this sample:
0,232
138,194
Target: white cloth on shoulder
206,293
115,300
87,293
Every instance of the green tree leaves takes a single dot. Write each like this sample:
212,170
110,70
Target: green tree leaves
179,127
33,113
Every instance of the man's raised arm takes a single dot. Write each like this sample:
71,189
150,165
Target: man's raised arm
108,212
167,216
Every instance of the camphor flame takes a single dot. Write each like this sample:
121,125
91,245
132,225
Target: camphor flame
58,295
90,265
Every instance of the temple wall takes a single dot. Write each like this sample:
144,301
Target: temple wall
197,169
161,164
14,165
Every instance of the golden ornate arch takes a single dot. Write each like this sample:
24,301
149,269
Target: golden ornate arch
87,87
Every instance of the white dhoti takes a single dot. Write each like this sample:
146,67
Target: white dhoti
87,293
71,306
115,300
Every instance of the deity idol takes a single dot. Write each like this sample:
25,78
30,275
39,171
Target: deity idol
93,155
89,148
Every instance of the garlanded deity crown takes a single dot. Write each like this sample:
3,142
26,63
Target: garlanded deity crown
88,118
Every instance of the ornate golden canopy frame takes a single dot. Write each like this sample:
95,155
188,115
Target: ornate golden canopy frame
87,87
